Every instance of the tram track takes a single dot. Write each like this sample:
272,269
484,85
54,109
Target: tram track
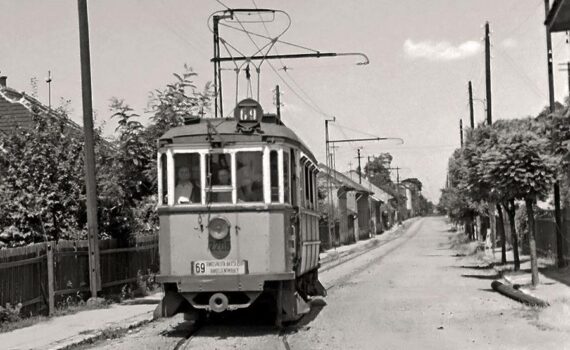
281,339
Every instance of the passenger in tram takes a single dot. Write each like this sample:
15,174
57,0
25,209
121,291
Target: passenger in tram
224,179
250,191
185,191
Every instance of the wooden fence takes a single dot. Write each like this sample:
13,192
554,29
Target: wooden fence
38,275
546,234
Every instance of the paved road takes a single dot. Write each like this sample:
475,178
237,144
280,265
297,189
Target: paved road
411,292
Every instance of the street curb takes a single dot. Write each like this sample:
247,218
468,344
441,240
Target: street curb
103,334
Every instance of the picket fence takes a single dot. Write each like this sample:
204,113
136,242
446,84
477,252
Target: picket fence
41,275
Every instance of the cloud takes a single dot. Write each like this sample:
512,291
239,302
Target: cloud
442,50
509,43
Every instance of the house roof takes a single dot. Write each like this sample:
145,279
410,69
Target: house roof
558,18
343,180
378,193
17,109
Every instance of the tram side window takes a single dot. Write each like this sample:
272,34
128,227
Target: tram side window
163,173
307,185
187,178
286,177
311,188
218,178
249,176
294,179
274,175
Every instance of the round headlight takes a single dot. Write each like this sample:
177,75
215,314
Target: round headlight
219,228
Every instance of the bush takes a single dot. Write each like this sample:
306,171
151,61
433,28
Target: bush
10,313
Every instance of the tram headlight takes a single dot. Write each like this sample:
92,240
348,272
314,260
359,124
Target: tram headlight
219,227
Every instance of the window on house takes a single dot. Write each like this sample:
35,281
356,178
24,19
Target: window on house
249,176
187,178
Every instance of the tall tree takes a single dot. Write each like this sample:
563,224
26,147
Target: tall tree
520,167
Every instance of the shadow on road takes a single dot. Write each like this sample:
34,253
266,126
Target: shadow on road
560,275
483,277
253,322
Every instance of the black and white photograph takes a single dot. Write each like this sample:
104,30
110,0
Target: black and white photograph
288,175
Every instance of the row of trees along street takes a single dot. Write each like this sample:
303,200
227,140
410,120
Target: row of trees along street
509,165
42,187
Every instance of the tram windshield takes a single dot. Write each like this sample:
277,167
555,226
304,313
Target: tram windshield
219,178
249,176
232,176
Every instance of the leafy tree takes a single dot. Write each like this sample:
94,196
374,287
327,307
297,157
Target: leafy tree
520,168
41,185
377,169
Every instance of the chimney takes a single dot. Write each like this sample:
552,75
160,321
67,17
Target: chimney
3,81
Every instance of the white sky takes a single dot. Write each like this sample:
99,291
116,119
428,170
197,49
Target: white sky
422,53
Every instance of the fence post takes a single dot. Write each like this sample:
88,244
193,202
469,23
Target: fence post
50,286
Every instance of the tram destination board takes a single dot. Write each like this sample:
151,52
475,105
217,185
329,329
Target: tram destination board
219,267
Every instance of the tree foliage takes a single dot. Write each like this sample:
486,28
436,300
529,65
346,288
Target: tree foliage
42,192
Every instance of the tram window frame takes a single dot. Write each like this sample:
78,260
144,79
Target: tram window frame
274,175
162,180
257,195
286,177
294,178
195,177
217,193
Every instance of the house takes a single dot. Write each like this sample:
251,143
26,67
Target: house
17,109
381,211
350,207
413,188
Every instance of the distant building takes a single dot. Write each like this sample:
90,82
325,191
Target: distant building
351,206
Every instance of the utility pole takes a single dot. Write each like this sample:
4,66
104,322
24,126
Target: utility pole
278,102
48,81
359,166
471,114
329,162
398,192
488,73
557,210
461,131
94,272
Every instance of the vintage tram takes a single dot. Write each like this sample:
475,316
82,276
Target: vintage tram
238,215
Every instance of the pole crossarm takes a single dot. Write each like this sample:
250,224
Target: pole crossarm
366,139
294,55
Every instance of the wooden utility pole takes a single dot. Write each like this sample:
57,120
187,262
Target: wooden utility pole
488,73
461,131
278,102
359,166
48,81
330,191
471,114
557,210
94,272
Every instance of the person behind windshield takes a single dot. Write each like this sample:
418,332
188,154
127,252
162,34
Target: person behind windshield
185,191
224,179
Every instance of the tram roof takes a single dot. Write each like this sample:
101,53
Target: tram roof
225,130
